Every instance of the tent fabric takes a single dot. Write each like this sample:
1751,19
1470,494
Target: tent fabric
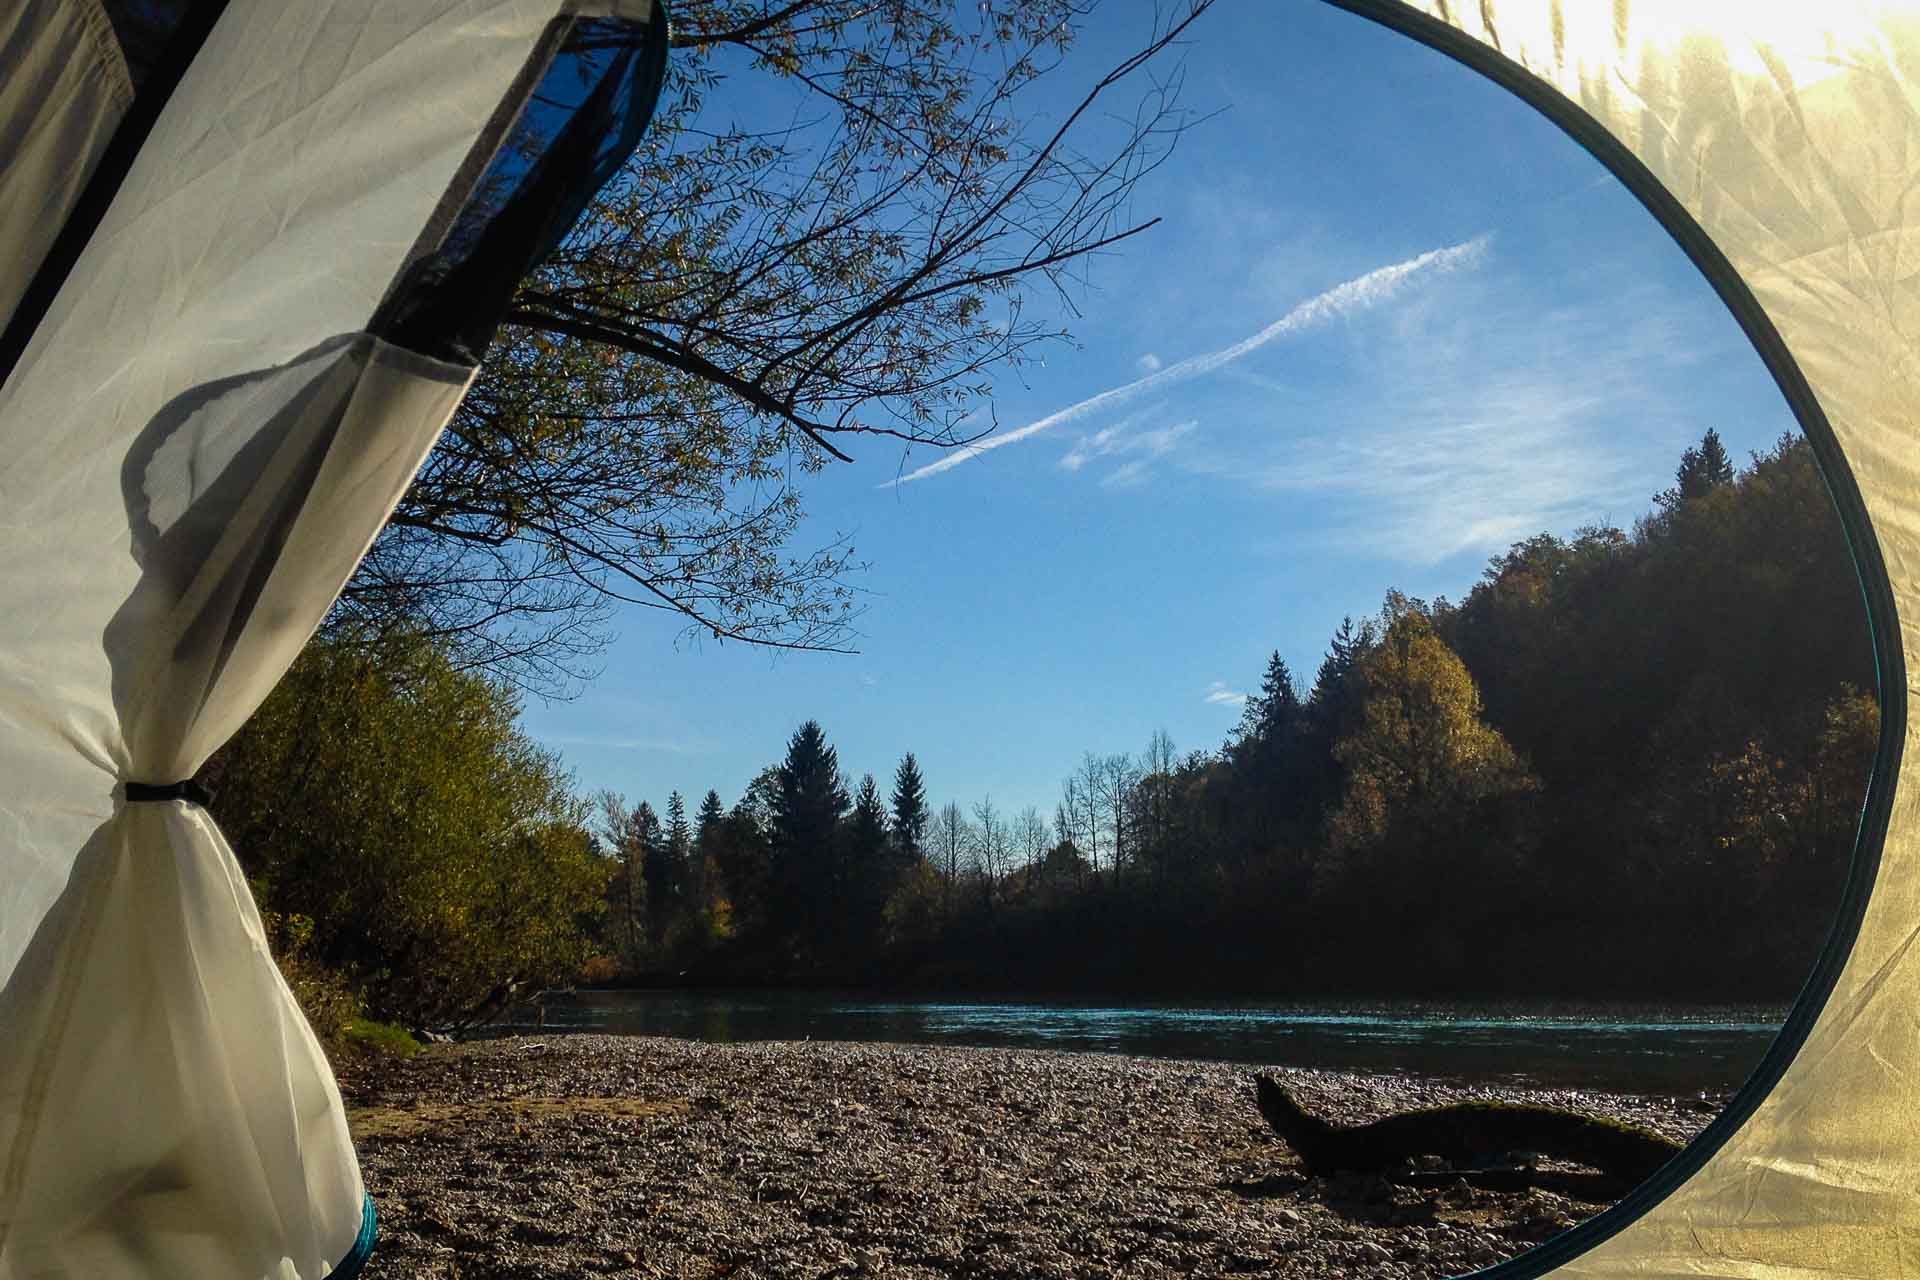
583,118
201,440
1785,138
67,86
205,433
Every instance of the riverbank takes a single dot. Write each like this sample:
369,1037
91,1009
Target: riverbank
637,1156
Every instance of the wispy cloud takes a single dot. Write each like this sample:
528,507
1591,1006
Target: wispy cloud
1105,440
1140,448
1485,420
1148,363
1359,294
1219,695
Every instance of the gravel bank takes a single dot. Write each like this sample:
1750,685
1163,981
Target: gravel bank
630,1156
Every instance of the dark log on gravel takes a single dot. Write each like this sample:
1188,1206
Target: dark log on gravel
1463,1133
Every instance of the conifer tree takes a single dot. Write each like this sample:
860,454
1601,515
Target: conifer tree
1702,470
656,868
682,866
870,861
679,834
1272,717
909,811
712,814
808,807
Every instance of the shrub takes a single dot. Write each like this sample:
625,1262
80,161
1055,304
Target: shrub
435,853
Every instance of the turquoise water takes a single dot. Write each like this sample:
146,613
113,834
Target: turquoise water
1630,1049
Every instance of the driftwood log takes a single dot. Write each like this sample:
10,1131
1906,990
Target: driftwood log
1462,1134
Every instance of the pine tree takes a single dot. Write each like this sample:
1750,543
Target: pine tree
870,862
681,867
1701,471
713,896
1273,716
655,868
712,814
910,814
1330,710
807,880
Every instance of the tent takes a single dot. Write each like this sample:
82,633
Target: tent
216,388
263,245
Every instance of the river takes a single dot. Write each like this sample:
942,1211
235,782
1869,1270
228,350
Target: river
1611,1047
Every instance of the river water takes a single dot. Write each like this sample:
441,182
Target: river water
1621,1048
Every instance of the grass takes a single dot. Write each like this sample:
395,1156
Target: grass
382,1039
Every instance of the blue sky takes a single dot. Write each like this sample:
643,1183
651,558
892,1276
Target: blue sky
1391,322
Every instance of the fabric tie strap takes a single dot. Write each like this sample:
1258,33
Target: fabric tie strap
190,791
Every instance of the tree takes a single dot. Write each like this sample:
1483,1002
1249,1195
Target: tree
1702,470
627,891
1089,786
1030,833
438,852
1155,800
1419,753
689,889
707,823
1271,718
951,839
992,849
808,880
871,865
714,895
657,867
909,811
1117,779
844,248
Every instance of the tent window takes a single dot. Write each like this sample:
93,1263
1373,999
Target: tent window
580,118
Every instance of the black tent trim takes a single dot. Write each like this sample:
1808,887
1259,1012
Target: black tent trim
1869,564
145,30
573,117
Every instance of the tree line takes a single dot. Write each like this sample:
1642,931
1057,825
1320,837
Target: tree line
1626,763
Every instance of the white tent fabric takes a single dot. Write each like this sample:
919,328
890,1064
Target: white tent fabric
200,443
65,90
201,440
1788,132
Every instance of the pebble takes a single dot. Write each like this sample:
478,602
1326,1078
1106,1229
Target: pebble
575,1154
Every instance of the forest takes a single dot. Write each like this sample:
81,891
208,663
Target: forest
1625,764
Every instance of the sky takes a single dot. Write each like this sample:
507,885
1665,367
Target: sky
1391,322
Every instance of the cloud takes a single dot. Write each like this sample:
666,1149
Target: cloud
1482,419
1121,440
1359,294
1219,695
1149,363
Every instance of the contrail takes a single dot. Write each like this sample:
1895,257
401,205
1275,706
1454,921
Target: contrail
1358,294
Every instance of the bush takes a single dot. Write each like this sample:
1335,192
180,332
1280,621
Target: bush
599,970
435,853
380,1038
327,999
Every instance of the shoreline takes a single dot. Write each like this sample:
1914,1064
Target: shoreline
575,1154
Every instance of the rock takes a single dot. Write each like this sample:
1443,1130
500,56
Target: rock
599,1149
